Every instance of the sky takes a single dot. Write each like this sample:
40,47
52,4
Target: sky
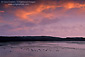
58,18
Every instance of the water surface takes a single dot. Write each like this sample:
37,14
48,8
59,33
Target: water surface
43,49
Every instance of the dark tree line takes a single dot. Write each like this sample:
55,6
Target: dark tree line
39,38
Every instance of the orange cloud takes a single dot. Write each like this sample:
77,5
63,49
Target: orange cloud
6,6
2,11
25,15
70,5
38,10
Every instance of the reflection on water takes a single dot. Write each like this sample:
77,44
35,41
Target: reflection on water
42,49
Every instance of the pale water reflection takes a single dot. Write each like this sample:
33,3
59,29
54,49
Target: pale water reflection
42,49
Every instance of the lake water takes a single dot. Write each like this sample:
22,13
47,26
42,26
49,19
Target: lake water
43,49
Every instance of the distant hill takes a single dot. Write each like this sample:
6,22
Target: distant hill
39,38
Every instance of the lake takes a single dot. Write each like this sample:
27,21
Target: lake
43,49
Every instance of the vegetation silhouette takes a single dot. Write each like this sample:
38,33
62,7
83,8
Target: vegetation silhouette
39,38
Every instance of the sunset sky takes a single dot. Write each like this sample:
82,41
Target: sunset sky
60,18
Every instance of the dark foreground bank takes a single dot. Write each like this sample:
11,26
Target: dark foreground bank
39,38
